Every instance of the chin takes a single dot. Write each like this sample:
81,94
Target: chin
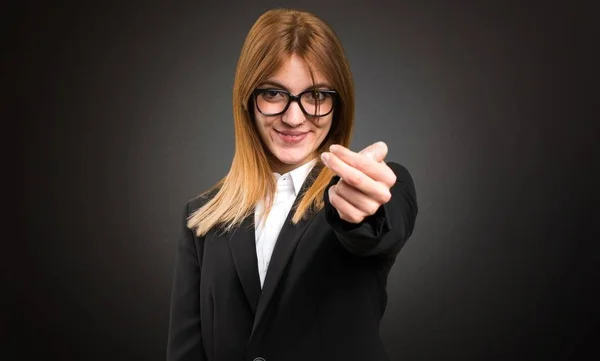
291,159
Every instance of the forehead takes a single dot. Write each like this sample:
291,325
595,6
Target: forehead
294,75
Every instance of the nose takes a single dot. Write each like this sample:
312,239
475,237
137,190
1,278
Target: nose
293,116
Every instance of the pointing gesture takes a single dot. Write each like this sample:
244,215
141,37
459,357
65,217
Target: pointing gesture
365,180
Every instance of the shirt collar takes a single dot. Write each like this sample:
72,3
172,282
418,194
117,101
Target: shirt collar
299,174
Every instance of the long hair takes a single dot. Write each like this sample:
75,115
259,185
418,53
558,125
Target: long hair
274,37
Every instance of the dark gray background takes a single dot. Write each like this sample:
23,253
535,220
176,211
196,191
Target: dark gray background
126,115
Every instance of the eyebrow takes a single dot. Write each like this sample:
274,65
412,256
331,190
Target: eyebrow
279,85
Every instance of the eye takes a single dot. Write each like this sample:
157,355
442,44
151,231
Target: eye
272,94
317,96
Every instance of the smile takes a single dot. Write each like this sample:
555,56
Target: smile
290,137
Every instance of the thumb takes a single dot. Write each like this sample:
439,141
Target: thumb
376,151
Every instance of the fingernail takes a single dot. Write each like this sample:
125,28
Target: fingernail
334,147
325,157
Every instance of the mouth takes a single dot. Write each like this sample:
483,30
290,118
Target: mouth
290,133
290,136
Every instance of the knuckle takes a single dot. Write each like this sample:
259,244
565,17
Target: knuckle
354,218
332,196
387,195
373,208
355,180
344,216
351,161
347,217
362,162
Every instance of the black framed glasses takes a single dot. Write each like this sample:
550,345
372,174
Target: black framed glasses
312,102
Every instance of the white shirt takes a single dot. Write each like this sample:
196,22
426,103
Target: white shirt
288,186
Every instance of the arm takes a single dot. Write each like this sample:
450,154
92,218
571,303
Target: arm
385,232
185,336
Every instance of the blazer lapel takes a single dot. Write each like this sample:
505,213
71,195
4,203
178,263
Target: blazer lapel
243,250
285,245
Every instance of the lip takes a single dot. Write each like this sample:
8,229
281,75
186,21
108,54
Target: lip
290,132
291,137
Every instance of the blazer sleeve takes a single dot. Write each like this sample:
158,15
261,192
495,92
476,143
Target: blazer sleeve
385,232
185,336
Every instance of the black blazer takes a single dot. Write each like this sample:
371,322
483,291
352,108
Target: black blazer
324,293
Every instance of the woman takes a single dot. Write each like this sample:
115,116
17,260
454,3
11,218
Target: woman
287,257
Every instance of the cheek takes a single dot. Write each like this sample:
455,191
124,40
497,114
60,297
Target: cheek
325,127
257,119
261,124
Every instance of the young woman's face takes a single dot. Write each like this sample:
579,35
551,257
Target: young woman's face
293,137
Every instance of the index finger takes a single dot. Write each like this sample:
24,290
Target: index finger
369,166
